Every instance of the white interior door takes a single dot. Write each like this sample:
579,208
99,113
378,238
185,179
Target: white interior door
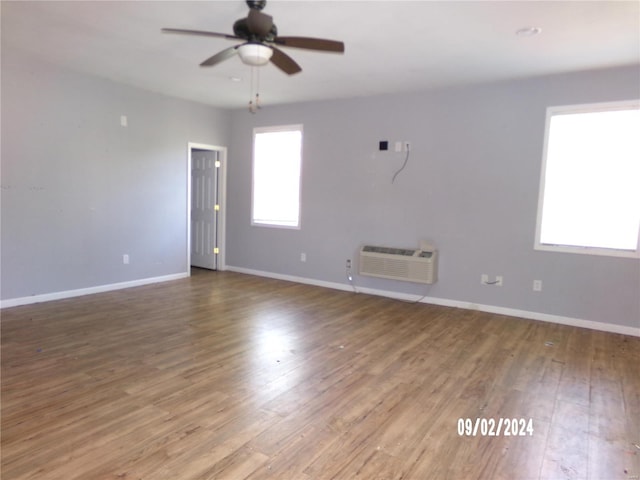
205,208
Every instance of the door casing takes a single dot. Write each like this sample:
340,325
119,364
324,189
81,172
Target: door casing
222,195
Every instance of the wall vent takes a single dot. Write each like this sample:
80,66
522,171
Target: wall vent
399,263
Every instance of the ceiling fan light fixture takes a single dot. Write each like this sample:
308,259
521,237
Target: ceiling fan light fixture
255,54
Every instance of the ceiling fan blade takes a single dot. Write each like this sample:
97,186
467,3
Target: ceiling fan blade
311,43
199,32
220,57
284,62
259,23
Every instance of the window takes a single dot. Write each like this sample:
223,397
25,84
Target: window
277,162
590,183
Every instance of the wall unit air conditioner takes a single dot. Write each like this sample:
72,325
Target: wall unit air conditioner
412,265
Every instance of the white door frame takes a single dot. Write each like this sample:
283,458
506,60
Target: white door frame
222,196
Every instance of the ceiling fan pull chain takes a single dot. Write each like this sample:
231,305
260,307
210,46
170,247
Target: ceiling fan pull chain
252,107
257,88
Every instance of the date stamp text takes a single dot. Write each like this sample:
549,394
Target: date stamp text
495,427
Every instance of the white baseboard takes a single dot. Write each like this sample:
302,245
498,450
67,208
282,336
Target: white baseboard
47,297
544,317
291,278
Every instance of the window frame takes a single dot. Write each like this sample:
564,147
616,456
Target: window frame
275,129
588,250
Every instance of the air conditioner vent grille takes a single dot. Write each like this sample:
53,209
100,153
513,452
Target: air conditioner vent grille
389,250
399,263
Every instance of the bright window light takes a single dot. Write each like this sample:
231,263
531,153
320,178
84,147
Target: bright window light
277,162
590,184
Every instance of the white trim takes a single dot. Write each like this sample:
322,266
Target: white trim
511,312
299,127
607,252
48,297
222,195
290,278
552,111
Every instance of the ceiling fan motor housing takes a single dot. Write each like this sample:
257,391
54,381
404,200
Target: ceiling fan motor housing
241,29
257,4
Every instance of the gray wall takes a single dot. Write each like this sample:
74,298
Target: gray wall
79,190
471,186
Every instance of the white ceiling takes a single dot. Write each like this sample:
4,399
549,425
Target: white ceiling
391,46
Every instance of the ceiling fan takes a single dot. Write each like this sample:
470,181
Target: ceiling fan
262,41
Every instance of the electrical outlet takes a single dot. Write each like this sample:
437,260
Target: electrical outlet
499,282
125,259
484,279
303,257
398,146
349,263
537,285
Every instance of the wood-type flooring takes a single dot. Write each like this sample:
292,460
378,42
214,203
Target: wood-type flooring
230,376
